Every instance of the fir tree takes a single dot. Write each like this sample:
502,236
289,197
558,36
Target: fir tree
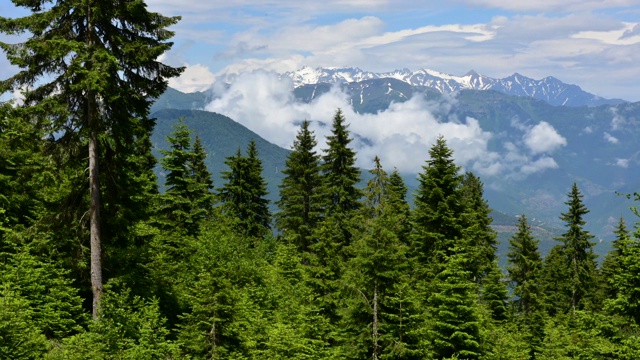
96,70
300,198
243,194
437,216
455,331
577,249
478,229
376,270
187,198
612,264
525,266
339,173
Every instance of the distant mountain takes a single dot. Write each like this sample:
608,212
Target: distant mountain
220,136
602,152
549,89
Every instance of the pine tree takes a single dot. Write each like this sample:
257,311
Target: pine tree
438,213
377,268
494,292
612,264
339,173
577,249
397,199
454,310
96,70
300,198
243,194
187,199
525,266
478,229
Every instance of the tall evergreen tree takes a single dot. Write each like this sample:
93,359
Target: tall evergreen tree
376,270
90,71
478,230
525,266
187,198
455,331
397,194
340,174
300,198
438,213
575,257
612,263
525,274
243,194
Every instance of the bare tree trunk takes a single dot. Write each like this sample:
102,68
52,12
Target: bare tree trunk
94,188
375,321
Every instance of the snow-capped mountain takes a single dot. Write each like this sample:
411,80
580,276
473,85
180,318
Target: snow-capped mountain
549,89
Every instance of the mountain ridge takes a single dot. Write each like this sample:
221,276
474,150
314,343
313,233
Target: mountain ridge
549,89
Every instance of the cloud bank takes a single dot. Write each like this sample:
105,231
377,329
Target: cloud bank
400,135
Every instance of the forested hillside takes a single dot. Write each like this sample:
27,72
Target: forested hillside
97,263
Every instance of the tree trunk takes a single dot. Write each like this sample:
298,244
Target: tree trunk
94,187
375,321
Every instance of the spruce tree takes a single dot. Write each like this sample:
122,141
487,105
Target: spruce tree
187,198
300,198
478,231
525,266
578,251
90,71
438,214
453,307
243,194
376,270
339,173
612,264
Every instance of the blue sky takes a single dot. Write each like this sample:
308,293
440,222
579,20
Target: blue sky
594,44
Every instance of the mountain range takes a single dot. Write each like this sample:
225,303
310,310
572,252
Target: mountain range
600,150
548,89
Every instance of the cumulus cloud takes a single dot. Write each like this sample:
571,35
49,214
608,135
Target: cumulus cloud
610,138
194,78
623,163
400,135
538,165
543,138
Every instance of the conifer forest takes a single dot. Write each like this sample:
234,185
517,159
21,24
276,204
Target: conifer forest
96,262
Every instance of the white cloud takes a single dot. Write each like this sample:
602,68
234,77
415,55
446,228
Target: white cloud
543,138
587,130
623,163
538,165
400,135
610,138
194,78
617,120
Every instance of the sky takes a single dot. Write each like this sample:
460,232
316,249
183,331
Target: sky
594,44
591,43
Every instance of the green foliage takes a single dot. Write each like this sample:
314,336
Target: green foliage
494,293
612,264
477,221
378,267
573,260
455,331
339,173
243,195
129,328
438,206
300,199
20,336
187,200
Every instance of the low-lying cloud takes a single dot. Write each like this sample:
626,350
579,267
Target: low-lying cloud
400,135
